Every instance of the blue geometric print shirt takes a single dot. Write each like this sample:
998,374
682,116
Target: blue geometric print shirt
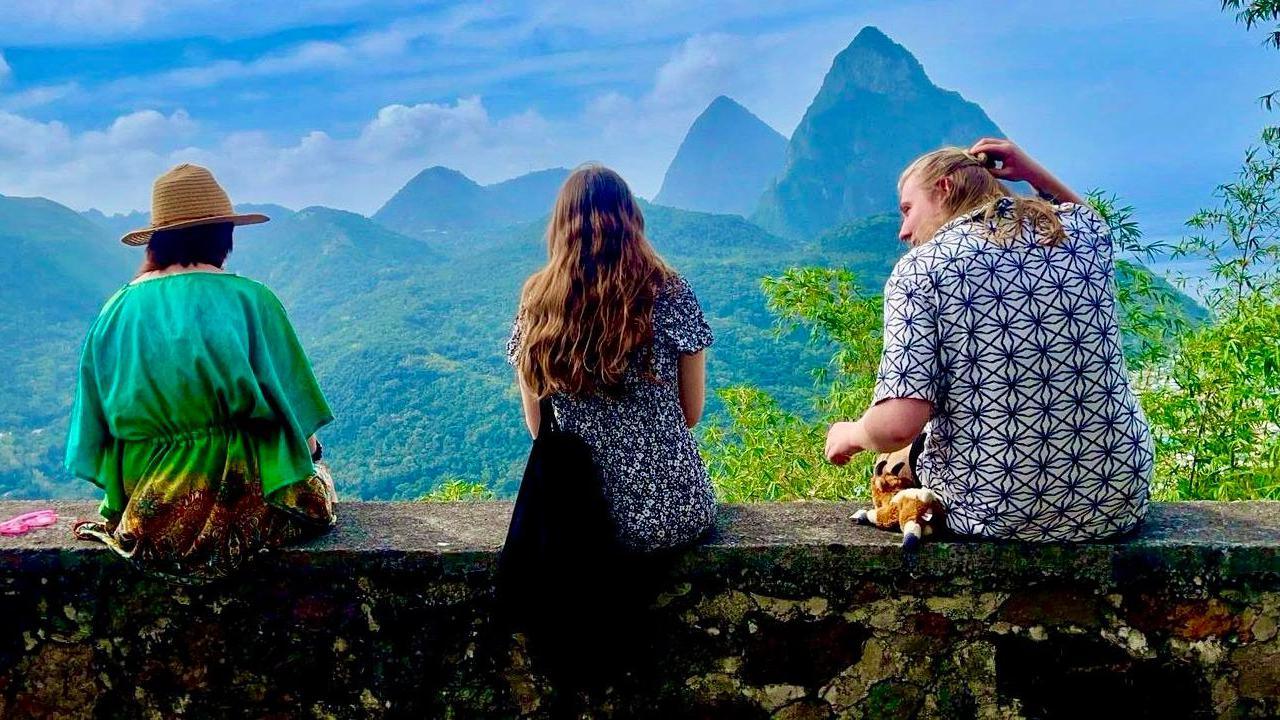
1035,434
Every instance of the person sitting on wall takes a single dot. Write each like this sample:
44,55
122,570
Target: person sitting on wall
196,406
1001,336
615,338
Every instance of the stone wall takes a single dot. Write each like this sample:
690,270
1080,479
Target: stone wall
790,611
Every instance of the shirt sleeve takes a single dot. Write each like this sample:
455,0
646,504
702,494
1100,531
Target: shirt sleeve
289,385
909,365
285,373
1083,220
678,318
87,433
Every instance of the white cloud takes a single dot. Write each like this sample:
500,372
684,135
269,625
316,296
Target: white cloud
397,129
638,136
142,130
98,167
24,141
389,47
37,96
358,170
112,168
306,57
700,67
80,14
6,72
70,22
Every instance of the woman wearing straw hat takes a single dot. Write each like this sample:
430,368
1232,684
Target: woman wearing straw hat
196,406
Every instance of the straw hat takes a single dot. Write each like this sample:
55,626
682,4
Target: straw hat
187,196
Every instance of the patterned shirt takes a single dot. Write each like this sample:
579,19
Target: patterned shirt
657,486
1036,434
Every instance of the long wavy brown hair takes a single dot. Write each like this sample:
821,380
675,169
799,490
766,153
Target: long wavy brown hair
974,188
590,309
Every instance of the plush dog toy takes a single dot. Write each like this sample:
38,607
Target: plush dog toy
900,501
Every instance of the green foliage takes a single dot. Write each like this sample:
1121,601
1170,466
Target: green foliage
1241,237
764,452
1152,313
836,310
1216,411
1256,13
458,490
1214,405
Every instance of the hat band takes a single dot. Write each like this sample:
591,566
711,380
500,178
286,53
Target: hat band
173,221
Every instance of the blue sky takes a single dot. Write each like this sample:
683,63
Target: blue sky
339,102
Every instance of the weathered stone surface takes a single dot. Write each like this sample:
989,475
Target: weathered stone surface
790,611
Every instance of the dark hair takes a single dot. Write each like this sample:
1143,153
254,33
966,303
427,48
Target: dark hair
208,244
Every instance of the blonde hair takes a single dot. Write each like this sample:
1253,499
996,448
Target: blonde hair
974,188
591,306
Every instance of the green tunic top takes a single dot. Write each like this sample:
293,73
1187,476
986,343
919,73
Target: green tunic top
185,375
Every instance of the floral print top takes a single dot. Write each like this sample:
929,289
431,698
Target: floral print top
654,479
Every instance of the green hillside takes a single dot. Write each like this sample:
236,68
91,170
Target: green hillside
408,338
407,335
56,269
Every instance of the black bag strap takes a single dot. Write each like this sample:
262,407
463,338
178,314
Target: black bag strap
547,417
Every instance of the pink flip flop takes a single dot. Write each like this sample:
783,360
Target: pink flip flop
26,522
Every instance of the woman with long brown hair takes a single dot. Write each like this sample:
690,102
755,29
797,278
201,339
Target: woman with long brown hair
615,338
1000,333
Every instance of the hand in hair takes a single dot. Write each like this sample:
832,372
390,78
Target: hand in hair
1016,165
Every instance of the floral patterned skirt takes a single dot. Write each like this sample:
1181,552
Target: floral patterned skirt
204,532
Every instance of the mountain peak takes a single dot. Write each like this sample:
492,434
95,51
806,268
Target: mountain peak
875,62
724,102
877,110
440,173
871,36
726,109
725,161
443,200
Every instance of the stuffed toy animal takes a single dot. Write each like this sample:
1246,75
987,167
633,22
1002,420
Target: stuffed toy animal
900,501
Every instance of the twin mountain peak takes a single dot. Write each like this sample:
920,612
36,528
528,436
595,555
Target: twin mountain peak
876,111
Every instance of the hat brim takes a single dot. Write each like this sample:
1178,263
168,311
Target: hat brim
143,236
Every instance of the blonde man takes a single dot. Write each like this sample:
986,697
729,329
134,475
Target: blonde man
1001,339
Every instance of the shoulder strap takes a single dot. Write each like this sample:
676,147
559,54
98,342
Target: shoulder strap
547,416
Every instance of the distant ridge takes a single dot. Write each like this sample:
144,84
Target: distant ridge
441,200
120,223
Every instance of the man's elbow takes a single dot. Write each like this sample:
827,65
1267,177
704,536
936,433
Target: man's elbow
888,438
895,439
